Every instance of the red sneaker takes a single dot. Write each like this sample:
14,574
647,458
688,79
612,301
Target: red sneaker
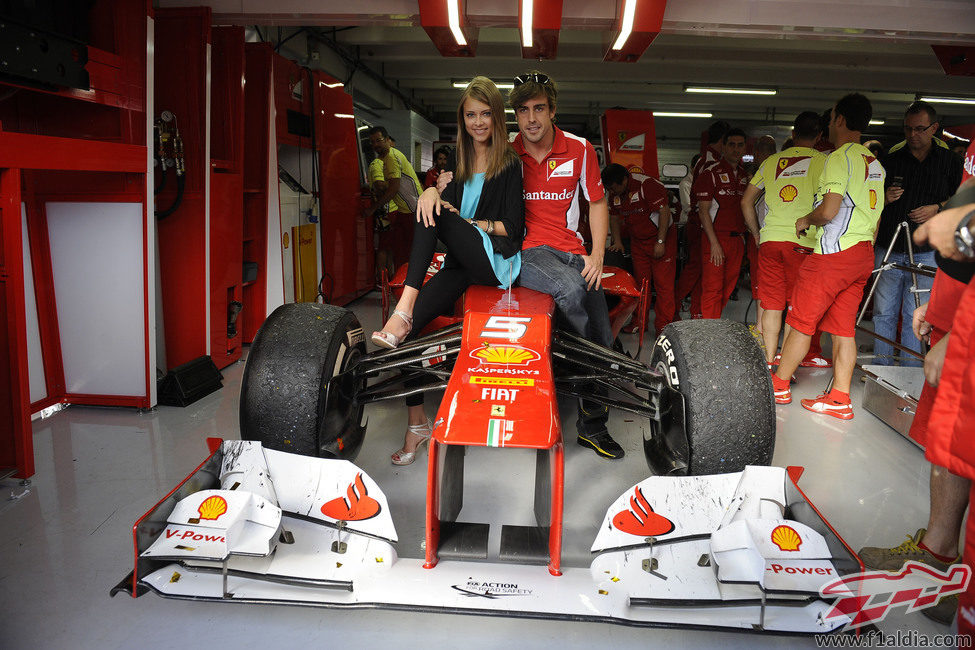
828,406
781,390
816,362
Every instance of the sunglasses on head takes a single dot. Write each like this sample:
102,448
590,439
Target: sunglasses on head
537,77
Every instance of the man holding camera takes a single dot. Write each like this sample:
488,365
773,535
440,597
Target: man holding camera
921,175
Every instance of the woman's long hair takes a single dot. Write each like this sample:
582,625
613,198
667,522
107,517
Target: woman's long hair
500,152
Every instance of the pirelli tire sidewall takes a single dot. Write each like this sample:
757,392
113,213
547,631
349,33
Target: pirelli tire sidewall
298,351
729,411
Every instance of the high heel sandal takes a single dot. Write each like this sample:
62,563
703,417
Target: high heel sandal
390,341
423,431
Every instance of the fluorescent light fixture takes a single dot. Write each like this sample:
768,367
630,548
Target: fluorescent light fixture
338,84
453,19
345,115
666,114
948,100
626,26
509,110
501,86
876,122
711,90
527,8
364,126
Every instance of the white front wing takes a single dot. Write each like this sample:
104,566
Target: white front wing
732,563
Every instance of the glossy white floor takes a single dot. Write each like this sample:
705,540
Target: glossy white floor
65,539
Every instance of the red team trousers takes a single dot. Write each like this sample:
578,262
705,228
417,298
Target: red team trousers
717,282
660,272
689,282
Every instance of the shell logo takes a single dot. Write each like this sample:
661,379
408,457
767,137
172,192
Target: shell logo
873,199
212,508
507,354
786,538
788,193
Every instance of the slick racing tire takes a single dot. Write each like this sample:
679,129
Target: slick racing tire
293,396
728,415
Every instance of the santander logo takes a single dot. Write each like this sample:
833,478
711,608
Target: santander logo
549,196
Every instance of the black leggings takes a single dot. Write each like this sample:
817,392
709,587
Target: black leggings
466,263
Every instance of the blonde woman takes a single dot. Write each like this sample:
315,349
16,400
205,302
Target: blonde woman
480,217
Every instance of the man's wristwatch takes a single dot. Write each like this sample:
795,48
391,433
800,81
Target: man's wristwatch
964,240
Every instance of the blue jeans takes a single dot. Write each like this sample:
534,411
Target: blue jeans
892,298
558,274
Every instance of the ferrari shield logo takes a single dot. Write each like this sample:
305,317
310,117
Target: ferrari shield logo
560,168
621,135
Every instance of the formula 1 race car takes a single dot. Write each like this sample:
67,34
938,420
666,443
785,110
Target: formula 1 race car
716,538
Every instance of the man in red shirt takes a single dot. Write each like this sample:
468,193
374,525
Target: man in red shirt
719,189
440,157
642,207
557,166
689,283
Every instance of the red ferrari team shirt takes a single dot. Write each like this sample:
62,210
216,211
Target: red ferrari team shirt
551,189
710,156
723,185
640,212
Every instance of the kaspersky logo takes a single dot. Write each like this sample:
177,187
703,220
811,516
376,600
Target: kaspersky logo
868,597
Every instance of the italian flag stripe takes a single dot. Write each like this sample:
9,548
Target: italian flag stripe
495,431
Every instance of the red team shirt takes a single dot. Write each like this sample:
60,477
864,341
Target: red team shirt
641,211
724,186
551,188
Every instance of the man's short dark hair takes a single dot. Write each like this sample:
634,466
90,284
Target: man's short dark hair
377,129
807,125
734,132
856,110
442,150
613,174
922,107
717,130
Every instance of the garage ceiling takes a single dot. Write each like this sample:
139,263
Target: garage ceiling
810,51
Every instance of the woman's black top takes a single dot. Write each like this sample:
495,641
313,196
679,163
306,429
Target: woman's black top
501,200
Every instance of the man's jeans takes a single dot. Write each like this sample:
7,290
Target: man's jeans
558,274
893,297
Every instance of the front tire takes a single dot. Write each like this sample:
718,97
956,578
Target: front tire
728,419
294,396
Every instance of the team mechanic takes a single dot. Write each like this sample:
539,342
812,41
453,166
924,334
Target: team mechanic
556,165
689,283
789,181
719,189
831,280
639,208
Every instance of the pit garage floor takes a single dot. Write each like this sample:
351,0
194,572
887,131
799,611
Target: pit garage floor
65,539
